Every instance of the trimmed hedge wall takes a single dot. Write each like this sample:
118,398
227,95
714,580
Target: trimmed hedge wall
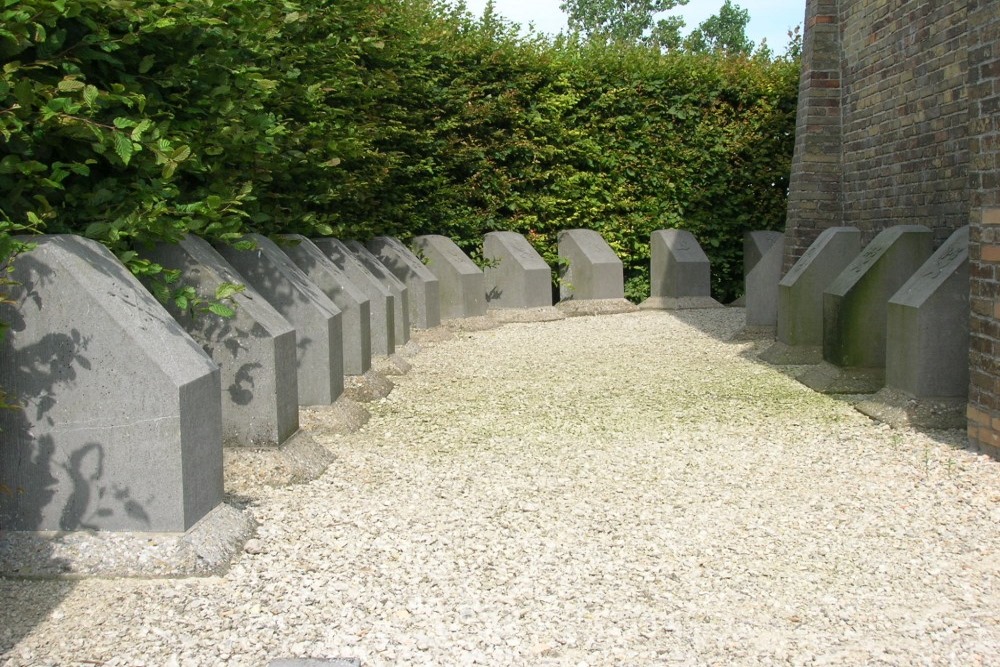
131,121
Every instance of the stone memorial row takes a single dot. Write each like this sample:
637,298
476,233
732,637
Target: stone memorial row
161,393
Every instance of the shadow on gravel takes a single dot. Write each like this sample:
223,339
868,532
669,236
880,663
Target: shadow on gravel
24,605
756,341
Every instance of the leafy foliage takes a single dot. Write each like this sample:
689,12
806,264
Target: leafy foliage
137,121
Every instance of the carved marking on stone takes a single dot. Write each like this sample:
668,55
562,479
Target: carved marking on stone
942,261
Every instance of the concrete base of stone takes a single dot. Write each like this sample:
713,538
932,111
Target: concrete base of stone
827,378
207,548
781,354
679,303
394,364
897,408
368,387
342,418
749,333
526,315
583,307
299,459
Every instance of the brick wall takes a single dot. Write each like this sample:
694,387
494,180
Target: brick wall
984,243
899,122
814,190
905,110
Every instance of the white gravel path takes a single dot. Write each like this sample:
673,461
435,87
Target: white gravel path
625,490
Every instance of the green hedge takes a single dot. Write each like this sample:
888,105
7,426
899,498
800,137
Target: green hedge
133,121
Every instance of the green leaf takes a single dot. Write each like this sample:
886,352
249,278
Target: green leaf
146,64
221,310
123,147
227,290
90,95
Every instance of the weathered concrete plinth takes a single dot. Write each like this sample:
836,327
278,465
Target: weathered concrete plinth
463,286
679,273
591,272
121,426
382,303
927,346
422,286
354,306
317,320
400,293
254,349
762,257
800,297
518,276
855,308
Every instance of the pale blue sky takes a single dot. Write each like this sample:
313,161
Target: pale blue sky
769,19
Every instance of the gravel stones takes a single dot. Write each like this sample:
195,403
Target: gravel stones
633,489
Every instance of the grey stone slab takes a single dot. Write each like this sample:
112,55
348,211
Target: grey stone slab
799,330
121,426
761,282
755,246
355,308
400,293
381,301
679,272
800,291
463,286
317,320
855,304
254,349
518,277
927,344
591,269
423,287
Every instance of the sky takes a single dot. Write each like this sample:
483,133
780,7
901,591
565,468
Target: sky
769,19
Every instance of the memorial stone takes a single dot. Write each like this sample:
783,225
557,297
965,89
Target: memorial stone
382,303
591,270
463,286
927,343
516,275
855,305
254,349
353,304
679,271
121,420
422,286
317,320
761,281
401,301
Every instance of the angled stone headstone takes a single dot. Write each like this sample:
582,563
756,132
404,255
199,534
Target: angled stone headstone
518,277
679,272
354,306
254,349
317,320
800,296
422,286
591,269
855,306
927,343
381,302
401,302
756,245
761,281
463,286
121,421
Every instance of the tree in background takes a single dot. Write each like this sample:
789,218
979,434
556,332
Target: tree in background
625,20
724,32
635,21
